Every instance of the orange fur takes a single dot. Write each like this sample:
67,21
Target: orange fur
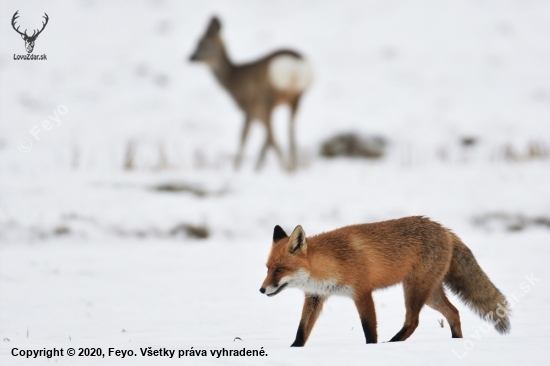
356,260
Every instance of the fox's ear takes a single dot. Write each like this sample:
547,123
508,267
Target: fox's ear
278,233
297,241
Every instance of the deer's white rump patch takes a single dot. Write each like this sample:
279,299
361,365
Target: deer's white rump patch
288,73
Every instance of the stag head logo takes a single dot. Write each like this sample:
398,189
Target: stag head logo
29,40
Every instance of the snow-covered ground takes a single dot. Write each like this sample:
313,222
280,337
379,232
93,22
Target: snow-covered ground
93,255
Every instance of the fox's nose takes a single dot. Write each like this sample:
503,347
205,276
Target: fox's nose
262,290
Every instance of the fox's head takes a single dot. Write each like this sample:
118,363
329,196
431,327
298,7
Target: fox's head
287,265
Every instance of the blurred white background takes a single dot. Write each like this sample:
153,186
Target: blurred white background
423,75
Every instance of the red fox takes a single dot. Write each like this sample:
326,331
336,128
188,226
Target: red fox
355,260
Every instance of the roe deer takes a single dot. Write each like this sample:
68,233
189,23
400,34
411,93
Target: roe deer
258,87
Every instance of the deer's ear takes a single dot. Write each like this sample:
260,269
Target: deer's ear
214,26
23,36
297,242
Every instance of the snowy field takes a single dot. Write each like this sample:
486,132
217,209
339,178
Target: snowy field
171,253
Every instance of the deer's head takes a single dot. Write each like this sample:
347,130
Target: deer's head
210,48
29,40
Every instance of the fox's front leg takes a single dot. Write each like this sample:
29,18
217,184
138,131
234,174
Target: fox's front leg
365,307
312,308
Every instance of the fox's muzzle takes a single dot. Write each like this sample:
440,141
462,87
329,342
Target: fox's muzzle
279,289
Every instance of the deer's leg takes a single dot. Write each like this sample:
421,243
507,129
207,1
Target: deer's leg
292,134
244,135
269,142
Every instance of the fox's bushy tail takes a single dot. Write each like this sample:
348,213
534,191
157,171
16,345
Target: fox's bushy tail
467,280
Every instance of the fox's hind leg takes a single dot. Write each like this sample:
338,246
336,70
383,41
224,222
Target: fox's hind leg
439,301
417,293
313,305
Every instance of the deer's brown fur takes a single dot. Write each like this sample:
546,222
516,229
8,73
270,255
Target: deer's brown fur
257,87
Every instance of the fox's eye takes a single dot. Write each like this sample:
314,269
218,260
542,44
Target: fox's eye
279,269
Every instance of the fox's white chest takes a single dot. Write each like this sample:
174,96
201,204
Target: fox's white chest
302,280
